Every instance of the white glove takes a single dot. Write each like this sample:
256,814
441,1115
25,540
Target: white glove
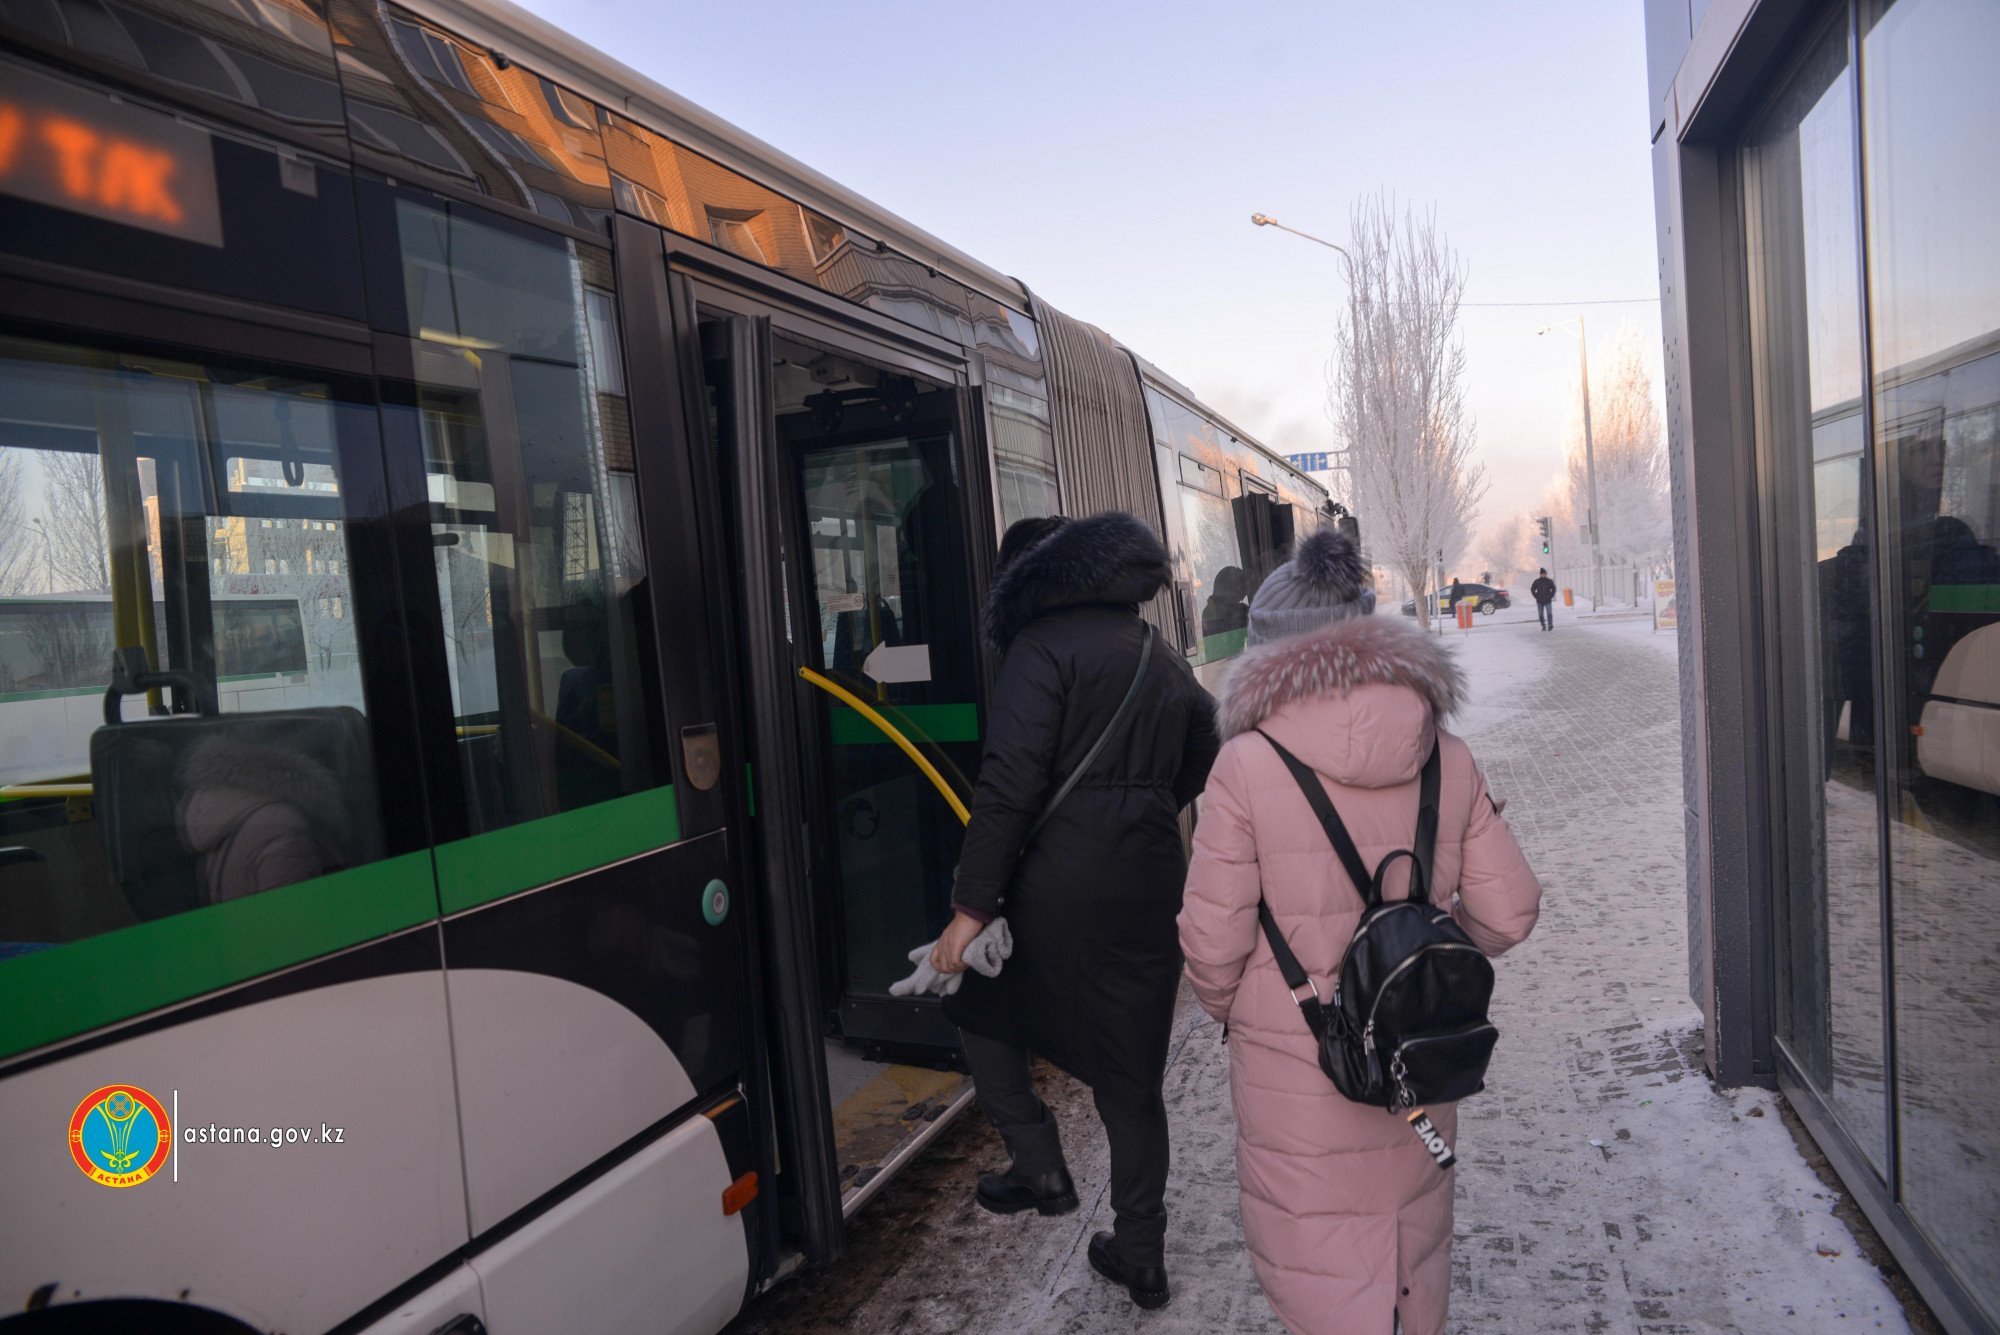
986,953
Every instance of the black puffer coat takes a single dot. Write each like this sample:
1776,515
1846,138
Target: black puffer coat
1092,901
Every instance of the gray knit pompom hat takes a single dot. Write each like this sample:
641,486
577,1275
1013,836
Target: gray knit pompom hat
1324,582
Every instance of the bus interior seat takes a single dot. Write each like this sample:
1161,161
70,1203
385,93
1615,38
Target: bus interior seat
139,772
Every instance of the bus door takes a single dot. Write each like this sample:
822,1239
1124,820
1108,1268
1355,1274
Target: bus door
594,955
848,489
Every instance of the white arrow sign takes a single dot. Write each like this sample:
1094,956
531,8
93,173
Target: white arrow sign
890,663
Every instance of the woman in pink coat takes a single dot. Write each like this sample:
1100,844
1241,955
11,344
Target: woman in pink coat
1347,1214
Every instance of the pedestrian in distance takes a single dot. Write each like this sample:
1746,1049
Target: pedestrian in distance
1090,885
1543,591
1347,1214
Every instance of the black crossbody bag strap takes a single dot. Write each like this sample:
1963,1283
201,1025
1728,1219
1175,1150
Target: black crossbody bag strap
1329,819
1097,747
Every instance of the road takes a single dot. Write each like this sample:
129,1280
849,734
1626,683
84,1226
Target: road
1604,1185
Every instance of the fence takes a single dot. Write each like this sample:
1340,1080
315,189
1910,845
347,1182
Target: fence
1624,585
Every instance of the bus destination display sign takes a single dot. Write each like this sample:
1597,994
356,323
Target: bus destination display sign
73,149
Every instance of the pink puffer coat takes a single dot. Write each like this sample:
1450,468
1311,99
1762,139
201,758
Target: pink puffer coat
1347,1217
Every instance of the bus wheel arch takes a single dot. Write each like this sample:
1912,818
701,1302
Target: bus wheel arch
98,1316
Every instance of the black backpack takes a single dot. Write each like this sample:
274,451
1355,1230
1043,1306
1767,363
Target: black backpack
1407,1025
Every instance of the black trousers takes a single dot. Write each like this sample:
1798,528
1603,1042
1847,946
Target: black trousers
1545,613
1137,1130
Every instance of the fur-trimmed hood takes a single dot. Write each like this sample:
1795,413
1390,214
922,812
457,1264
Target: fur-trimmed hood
1361,651
226,780
1109,558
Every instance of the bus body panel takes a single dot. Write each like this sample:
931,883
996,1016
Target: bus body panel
644,1249
588,1010
552,1075
273,1234
434,1309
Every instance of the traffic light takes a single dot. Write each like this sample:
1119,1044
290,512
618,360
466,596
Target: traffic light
1544,522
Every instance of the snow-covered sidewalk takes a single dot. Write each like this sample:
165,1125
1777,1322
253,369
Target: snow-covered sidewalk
1604,1186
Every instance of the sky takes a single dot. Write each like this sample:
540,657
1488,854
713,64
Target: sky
1109,155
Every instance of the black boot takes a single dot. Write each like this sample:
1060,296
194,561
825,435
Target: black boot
1146,1283
1011,1192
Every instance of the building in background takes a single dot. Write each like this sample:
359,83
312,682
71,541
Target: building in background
1827,177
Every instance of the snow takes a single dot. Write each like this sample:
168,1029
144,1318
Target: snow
1603,1184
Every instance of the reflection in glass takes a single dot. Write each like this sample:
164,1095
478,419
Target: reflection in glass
540,585
884,514
1800,179
420,95
189,517
670,186
1933,191
1017,405
271,59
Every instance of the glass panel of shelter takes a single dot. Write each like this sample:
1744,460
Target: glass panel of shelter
1799,165
1934,271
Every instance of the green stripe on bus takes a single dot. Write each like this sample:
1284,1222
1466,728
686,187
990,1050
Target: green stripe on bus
1226,645
499,863
1965,597
71,989
920,723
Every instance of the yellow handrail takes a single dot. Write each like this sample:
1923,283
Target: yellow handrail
893,733
20,790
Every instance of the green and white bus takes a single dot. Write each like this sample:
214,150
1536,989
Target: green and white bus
456,828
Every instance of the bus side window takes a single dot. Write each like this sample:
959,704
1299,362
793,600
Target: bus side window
519,401
189,514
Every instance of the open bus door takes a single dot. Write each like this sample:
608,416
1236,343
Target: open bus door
847,507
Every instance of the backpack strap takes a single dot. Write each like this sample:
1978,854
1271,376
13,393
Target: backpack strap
1294,973
1329,819
1425,848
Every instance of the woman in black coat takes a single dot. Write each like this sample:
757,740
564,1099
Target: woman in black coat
1092,900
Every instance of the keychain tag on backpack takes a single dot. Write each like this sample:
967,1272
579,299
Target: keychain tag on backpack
1433,1139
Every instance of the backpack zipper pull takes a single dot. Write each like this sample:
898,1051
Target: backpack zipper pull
1368,1038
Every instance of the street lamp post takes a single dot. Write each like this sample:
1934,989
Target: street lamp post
35,525
1266,220
1589,460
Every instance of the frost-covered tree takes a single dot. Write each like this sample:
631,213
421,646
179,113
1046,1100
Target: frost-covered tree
1629,442
1396,387
21,548
73,492
1505,548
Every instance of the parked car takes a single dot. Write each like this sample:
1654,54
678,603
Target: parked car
1482,596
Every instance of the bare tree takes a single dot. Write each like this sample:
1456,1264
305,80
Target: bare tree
309,568
1397,392
20,542
73,494
1629,442
72,644
1505,548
